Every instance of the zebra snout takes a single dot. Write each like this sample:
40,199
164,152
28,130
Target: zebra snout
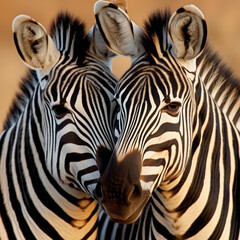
131,194
119,188
119,177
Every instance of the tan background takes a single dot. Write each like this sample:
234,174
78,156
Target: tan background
223,19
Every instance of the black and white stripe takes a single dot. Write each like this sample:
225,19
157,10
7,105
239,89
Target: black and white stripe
178,146
47,148
221,83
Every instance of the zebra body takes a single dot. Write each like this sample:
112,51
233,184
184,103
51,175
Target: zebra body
174,172
48,169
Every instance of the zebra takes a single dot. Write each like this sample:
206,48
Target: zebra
62,115
174,172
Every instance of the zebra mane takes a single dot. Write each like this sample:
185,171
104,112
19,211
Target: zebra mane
155,38
217,77
69,35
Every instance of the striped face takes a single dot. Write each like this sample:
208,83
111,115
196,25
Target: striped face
157,107
77,114
156,113
74,94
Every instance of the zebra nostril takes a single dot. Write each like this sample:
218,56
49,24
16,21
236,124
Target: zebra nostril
135,193
98,192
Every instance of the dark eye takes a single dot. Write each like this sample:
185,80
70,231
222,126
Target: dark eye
172,108
60,110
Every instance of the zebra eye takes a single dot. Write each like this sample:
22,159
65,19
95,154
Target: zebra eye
172,108
60,110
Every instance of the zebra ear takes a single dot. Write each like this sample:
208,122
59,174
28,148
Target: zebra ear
120,34
188,32
34,45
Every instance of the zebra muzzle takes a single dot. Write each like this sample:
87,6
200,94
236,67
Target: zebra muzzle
119,189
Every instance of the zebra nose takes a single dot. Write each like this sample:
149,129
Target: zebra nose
120,183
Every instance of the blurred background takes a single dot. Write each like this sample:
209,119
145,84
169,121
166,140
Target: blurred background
222,16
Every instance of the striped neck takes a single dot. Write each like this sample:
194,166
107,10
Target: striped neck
202,201
221,84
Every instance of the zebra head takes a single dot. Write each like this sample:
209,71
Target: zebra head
157,105
73,97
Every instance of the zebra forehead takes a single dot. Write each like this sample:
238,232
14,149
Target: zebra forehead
158,82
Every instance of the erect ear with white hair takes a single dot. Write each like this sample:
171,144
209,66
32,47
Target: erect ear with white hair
188,32
120,34
34,45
